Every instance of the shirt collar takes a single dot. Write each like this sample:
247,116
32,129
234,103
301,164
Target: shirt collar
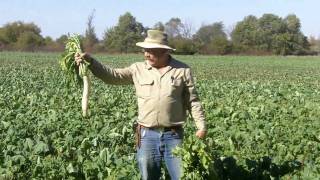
147,65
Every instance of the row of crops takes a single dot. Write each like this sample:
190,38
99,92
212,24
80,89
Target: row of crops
262,112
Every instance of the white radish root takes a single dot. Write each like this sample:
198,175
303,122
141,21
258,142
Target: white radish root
85,95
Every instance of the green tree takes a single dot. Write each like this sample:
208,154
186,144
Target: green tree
219,45
211,39
283,44
20,35
179,36
292,41
48,40
269,26
3,40
293,23
62,39
183,45
51,45
29,41
245,35
17,34
270,34
123,37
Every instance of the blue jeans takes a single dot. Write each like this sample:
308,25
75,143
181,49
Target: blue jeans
155,146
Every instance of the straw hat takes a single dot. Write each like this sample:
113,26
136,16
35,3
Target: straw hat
155,39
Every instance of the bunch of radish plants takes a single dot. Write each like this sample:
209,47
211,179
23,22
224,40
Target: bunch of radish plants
77,73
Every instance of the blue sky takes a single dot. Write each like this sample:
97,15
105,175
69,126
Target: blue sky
57,17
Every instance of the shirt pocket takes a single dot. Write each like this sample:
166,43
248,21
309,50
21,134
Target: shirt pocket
175,87
144,87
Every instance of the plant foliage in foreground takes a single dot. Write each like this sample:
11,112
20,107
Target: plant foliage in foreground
263,120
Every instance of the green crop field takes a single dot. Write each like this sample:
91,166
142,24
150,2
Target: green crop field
262,112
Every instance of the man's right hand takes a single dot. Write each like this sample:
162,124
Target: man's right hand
79,57
201,134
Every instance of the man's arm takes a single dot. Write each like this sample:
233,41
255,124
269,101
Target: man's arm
193,105
111,76
108,75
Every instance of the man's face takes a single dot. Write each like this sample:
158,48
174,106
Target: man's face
155,56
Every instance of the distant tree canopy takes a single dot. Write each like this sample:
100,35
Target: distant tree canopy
211,39
123,37
269,34
21,36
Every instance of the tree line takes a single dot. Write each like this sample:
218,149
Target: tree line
267,35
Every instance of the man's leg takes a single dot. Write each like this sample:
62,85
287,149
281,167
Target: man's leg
148,155
173,163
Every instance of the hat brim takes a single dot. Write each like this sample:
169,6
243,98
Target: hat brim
153,45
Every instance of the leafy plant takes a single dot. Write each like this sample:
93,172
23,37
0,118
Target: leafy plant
197,160
78,74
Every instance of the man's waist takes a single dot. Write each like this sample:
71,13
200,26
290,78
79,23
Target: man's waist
163,129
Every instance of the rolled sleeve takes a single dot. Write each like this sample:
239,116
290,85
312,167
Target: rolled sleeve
192,102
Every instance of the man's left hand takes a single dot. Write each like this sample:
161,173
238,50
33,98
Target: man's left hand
201,134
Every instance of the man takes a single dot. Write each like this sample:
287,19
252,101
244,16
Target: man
165,91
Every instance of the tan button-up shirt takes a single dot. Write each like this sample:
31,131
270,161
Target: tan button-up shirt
163,99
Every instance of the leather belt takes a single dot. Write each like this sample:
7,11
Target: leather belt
163,129
160,129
